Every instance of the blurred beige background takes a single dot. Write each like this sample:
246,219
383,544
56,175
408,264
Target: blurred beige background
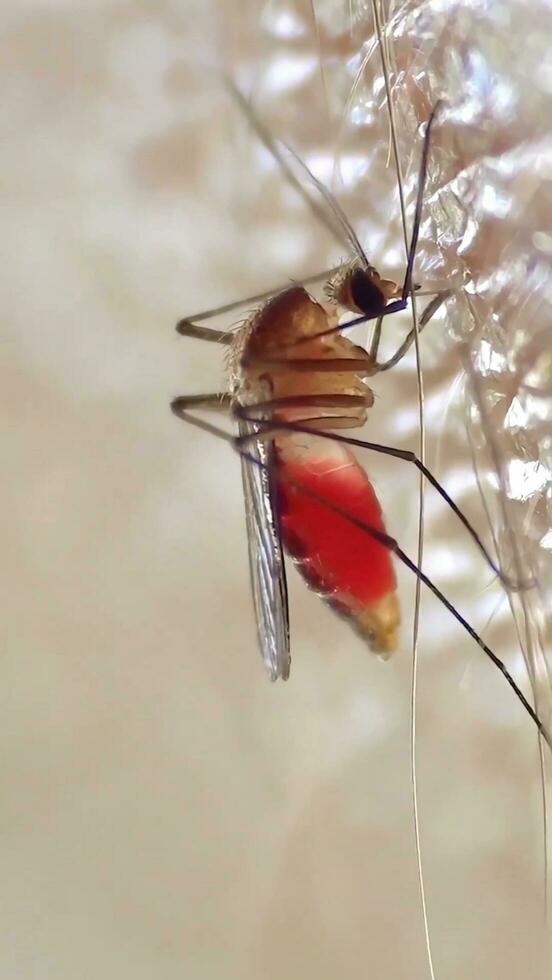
165,811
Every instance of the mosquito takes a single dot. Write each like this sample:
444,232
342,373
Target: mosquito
295,381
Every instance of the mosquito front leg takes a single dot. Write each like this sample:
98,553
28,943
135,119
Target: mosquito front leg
375,342
426,316
188,326
376,336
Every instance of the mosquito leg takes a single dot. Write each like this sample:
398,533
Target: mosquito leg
407,456
328,365
426,316
269,428
218,401
387,542
322,401
376,337
394,547
407,285
213,430
187,326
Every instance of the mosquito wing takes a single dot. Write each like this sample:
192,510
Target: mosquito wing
266,560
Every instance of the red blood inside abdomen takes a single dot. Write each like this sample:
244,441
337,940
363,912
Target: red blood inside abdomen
336,557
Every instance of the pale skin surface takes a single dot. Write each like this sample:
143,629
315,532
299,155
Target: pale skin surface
167,812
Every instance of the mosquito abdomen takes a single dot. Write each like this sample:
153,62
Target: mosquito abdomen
347,567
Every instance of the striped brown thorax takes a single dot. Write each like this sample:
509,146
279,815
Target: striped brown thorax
273,353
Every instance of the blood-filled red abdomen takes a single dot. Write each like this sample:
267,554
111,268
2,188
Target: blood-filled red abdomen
340,560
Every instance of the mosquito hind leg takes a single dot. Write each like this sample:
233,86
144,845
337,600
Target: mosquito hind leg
320,427
388,542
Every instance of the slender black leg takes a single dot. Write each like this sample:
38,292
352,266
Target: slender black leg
376,337
313,365
388,542
186,328
217,401
392,545
188,325
319,401
426,316
277,425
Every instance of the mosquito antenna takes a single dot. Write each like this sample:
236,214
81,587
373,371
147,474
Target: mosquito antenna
183,325
399,304
352,92
270,144
320,59
338,211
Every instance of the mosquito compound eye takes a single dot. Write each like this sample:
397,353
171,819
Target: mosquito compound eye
366,295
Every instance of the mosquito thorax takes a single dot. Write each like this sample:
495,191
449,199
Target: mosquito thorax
293,326
361,289
278,354
290,316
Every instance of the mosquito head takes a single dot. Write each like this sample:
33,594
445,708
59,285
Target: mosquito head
361,290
